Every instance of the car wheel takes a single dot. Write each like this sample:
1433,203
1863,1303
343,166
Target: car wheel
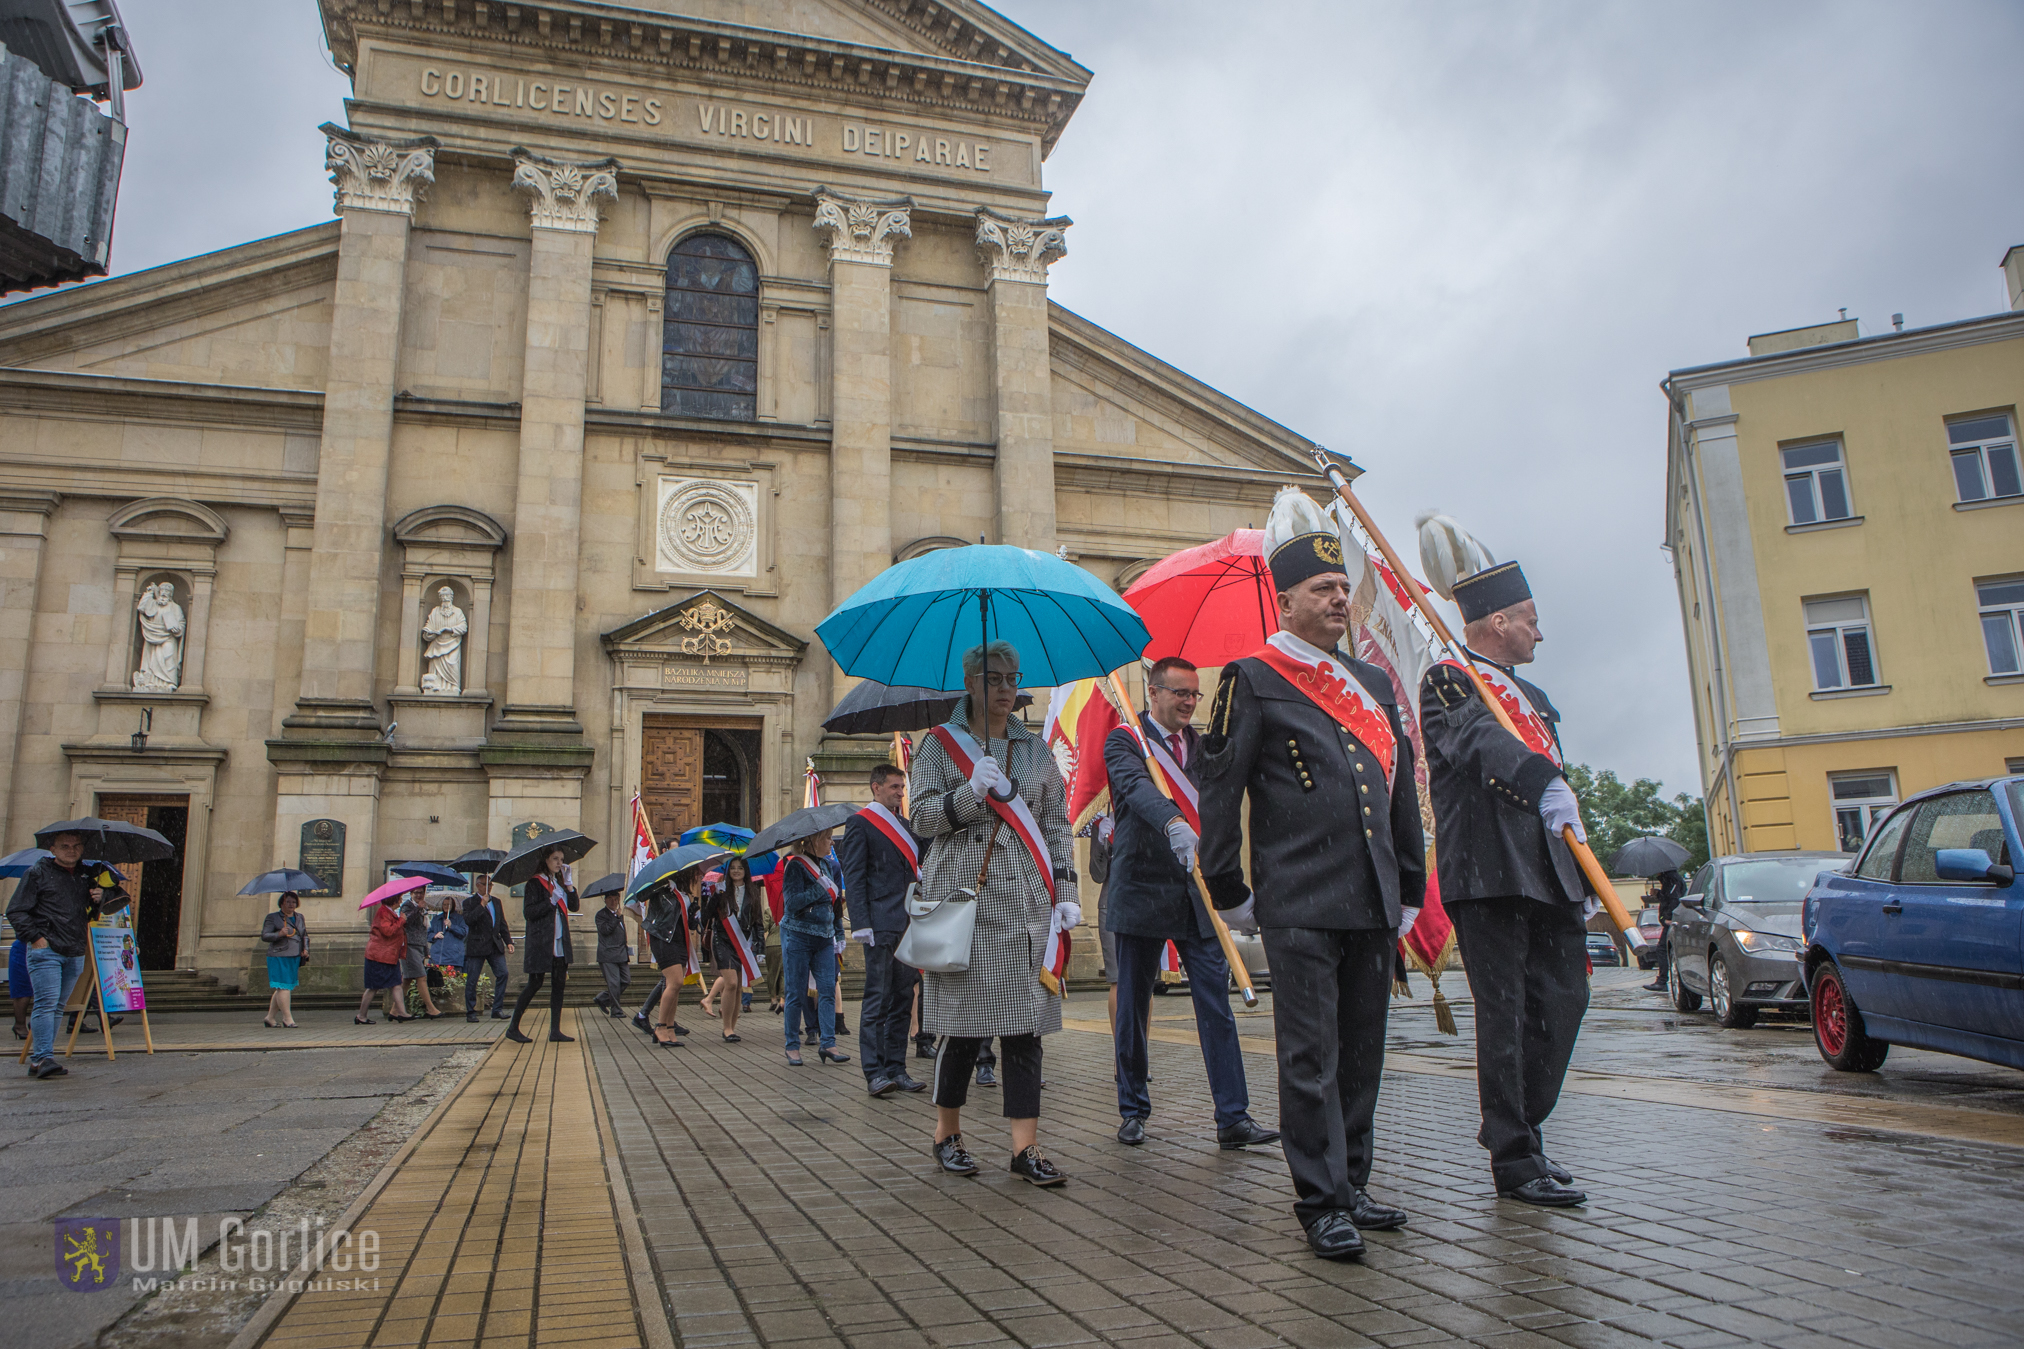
1837,1026
1683,999
1722,996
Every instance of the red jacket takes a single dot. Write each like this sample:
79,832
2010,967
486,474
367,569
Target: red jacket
389,939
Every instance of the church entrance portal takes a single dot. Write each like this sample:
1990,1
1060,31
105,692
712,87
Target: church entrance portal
157,887
698,770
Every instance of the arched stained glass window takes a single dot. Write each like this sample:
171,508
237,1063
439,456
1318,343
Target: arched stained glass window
710,335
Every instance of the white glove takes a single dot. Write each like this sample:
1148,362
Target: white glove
862,935
1559,809
840,944
1407,917
569,873
987,776
1183,841
1103,830
1067,914
1241,918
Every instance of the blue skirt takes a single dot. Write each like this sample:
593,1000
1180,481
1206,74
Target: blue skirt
380,974
281,971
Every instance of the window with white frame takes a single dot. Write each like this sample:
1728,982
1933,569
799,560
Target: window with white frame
1816,483
1837,634
2002,604
1985,458
1860,800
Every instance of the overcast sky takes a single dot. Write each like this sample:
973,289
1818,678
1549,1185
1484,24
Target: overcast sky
1461,241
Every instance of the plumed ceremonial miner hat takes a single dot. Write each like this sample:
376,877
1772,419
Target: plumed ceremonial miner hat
1299,540
1461,569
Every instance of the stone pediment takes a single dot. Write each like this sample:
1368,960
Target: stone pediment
705,627
168,520
450,526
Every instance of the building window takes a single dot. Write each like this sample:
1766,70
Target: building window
1860,800
710,331
1985,458
2002,606
1816,484
1837,631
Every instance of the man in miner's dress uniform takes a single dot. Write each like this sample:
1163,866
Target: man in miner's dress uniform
1313,738
1508,880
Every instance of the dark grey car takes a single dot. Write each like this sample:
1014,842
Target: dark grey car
1735,937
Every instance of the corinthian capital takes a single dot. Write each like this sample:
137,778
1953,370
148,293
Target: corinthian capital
564,196
860,230
1020,250
378,175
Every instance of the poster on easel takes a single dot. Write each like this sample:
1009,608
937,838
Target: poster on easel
119,970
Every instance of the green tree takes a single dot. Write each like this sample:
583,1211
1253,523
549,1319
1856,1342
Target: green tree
1615,812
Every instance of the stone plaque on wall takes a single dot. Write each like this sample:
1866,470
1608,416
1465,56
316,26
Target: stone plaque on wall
322,856
707,527
679,675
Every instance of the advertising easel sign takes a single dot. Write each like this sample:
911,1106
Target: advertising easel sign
119,969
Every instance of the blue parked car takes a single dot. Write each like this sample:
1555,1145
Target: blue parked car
1921,941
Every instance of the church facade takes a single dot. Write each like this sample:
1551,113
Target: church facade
640,339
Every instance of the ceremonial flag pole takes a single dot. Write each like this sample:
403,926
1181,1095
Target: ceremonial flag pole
1122,699
1598,879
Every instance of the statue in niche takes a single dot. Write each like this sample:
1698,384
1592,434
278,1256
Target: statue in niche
443,658
162,628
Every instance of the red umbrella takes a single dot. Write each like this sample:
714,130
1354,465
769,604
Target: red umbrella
399,885
1209,605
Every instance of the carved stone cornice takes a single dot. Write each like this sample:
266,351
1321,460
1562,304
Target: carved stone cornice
376,175
1020,250
564,196
861,230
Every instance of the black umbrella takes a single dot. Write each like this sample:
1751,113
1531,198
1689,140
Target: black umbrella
1647,856
435,873
611,884
523,862
280,882
111,840
479,861
872,708
802,823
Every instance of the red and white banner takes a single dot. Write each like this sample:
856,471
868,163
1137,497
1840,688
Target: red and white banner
1170,959
643,848
811,793
748,964
1079,718
1329,685
1532,727
896,832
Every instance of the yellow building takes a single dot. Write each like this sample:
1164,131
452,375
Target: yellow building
1846,521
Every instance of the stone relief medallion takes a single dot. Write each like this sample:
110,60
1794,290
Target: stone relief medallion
708,527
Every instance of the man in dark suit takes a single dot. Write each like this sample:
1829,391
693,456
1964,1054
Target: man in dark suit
881,857
1313,737
1151,898
487,942
1508,880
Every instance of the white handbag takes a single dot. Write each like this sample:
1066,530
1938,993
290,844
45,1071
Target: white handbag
937,939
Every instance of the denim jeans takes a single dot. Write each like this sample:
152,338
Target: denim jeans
475,966
53,976
803,955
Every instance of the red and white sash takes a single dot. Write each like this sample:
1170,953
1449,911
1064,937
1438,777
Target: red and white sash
1532,728
1177,786
896,832
821,874
748,964
1331,687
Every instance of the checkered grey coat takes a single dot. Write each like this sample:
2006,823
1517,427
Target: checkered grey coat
1000,994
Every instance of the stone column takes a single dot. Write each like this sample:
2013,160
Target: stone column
862,235
1016,255
24,530
547,515
377,184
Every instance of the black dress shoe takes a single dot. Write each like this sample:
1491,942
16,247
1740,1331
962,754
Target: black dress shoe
1031,1166
1334,1236
1371,1216
1132,1132
881,1086
498,1015
1243,1134
951,1157
1557,1171
906,1083
924,1046
470,1016
1546,1192
985,1077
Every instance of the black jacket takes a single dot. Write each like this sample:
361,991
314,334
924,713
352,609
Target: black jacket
876,875
53,903
1146,893
539,910
612,946
485,937
1489,839
1342,853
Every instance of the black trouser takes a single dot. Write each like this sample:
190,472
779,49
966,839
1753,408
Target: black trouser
886,1011
956,1056
559,974
1331,990
1527,963
1665,964
1137,970
473,967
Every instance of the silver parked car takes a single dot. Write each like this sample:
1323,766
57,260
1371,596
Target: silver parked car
1735,937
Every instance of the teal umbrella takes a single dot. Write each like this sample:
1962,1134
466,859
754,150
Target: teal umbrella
914,621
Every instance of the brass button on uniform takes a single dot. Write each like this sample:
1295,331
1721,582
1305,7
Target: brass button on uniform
1366,810
1364,787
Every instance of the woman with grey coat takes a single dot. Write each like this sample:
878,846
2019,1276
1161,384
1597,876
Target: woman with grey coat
1000,994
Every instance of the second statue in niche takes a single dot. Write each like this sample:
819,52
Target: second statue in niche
443,658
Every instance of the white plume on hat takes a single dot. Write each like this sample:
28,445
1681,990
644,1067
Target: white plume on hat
1448,552
1293,514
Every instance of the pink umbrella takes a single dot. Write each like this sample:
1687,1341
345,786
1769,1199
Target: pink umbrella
399,885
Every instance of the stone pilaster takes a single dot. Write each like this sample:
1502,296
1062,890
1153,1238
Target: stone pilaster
1016,256
24,529
862,236
377,184
563,201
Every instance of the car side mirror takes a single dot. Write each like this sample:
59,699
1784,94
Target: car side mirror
1694,902
1970,864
